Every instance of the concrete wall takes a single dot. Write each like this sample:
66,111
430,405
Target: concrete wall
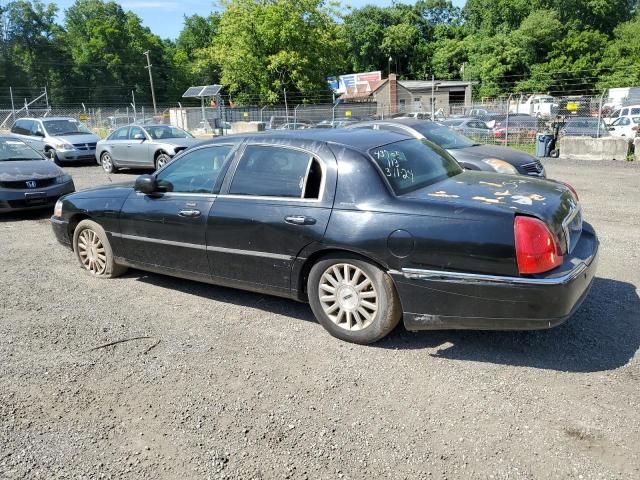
636,155
587,148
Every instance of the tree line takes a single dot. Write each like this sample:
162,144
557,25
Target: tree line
258,49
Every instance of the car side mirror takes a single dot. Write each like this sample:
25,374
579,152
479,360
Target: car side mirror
39,134
138,136
611,129
146,184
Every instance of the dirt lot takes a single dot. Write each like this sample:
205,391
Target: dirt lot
243,385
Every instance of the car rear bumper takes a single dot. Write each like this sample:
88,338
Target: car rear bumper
22,199
438,300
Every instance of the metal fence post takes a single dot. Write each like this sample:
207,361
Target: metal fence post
600,113
506,130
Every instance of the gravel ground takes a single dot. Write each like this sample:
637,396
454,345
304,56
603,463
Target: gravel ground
219,383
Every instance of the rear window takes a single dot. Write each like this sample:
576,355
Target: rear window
412,164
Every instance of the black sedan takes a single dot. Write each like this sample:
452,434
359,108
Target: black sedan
368,227
470,154
27,179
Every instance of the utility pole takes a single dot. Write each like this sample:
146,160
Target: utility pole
153,93
13,107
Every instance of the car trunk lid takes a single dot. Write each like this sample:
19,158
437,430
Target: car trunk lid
552,202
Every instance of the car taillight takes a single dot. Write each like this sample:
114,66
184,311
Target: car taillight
573,191
537,249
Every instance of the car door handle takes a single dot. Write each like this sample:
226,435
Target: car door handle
189,213
299,220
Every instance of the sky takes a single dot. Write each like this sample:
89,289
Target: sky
164,17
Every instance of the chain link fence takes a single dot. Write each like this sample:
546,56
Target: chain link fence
514,120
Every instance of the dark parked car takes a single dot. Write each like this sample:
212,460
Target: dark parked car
584,127
27,179
368,227
470,154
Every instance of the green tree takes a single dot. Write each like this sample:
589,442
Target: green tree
31,50
106,45
266,47
621,60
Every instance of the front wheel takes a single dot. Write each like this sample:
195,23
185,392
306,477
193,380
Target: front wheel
53,156
107,163
353,299
93,250
162,160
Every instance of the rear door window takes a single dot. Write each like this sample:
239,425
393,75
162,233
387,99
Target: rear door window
270,171
120,134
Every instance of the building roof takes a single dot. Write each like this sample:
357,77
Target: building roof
362,90
427,84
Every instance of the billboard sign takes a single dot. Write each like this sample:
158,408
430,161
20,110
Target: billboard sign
344,82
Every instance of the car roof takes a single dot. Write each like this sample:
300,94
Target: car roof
358,139
47,118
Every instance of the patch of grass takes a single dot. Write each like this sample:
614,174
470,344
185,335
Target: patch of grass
529,148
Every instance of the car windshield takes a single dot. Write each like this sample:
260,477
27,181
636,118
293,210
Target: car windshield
15,150
453,123
64,127
443,136
412,164
161,132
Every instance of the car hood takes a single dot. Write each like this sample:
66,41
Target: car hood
479,152
28,170
547,200
80,138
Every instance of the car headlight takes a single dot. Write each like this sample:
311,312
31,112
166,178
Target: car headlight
500,166
57,210
63,179
63,146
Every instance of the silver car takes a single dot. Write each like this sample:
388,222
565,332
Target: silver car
61,139
142,146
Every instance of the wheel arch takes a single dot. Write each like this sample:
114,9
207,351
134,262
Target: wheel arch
316,256
74,220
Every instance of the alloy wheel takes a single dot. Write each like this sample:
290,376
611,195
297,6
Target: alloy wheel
92,252
107,163
348,296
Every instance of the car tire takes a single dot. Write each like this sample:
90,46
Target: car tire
162,160
555,153
363,306
53,156
93,251
106,160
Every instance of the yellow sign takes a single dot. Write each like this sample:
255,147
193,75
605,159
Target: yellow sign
165,114
347,113
572,106
84,117
245,114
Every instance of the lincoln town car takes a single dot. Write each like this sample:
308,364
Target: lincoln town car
369,227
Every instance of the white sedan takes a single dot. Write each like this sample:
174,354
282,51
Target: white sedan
627,127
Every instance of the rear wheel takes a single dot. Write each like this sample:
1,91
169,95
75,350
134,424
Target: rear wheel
93,251
353,299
